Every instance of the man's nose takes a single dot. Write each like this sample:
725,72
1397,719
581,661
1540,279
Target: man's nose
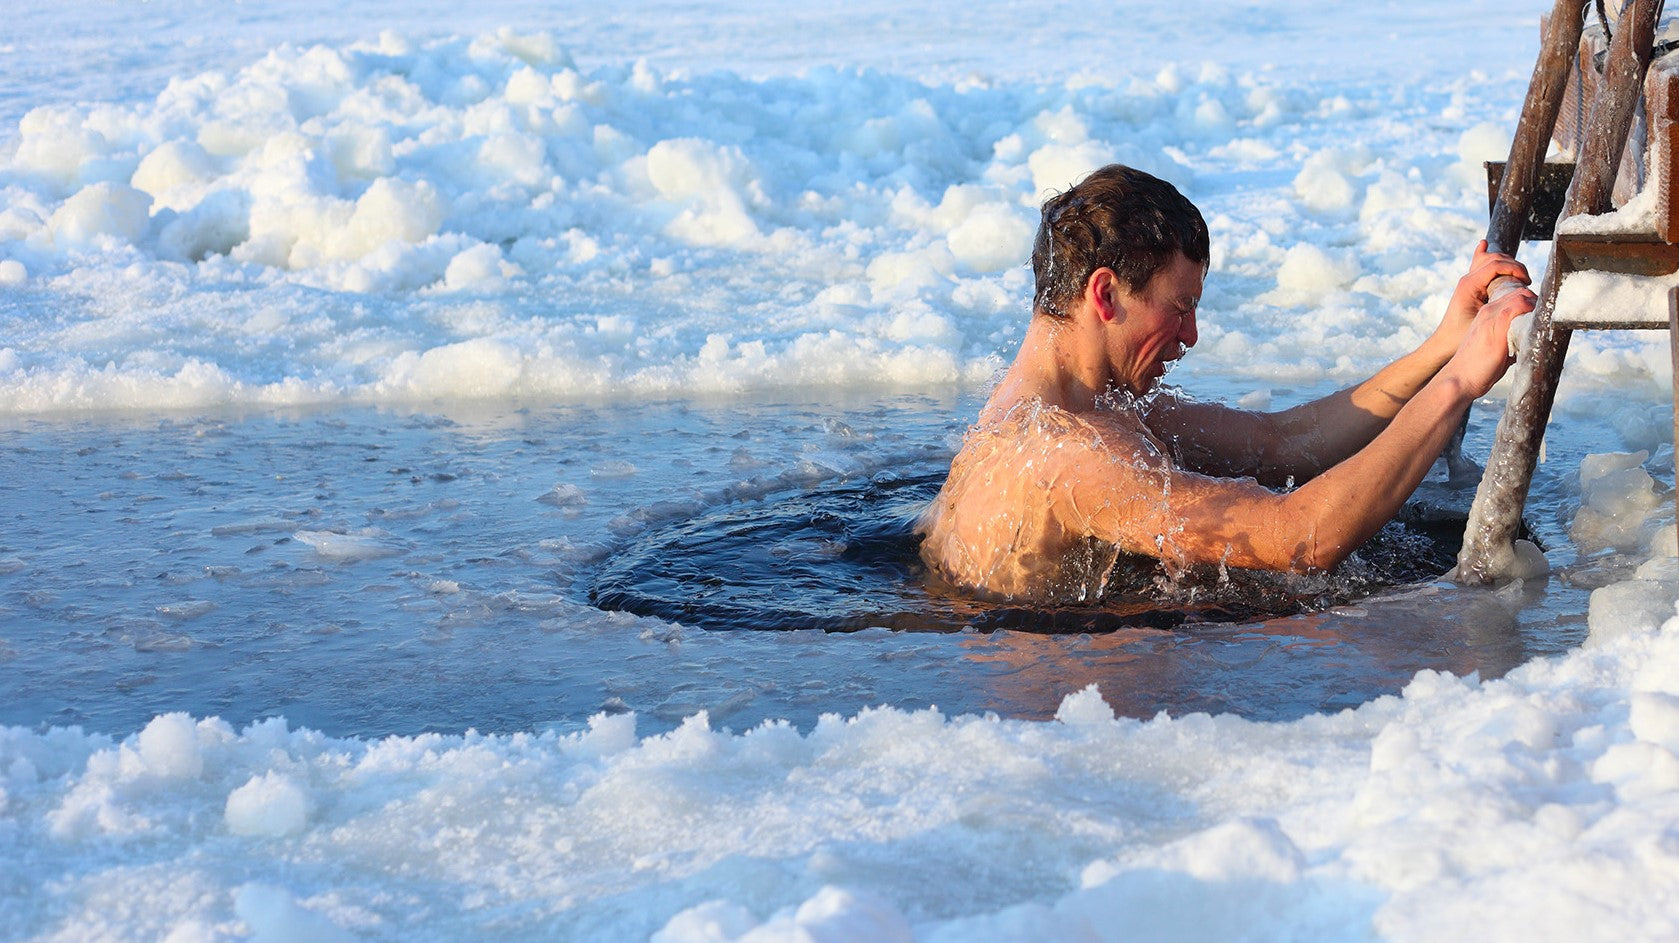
1187,334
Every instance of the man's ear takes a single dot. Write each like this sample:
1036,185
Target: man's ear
1101,292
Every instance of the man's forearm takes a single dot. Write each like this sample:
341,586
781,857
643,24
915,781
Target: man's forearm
1346,505
1316,436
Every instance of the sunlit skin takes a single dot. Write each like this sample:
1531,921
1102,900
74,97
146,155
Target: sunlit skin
1063,470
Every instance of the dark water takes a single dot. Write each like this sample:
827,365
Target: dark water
844,557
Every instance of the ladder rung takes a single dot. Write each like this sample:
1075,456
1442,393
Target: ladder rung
1638,253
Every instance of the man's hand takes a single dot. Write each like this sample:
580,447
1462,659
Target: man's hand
1471,293
1484,353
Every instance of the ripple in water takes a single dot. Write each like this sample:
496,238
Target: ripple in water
846,558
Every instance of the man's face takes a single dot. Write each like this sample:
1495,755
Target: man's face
1155,326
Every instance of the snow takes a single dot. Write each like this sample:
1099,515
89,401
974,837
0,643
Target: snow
1637,215
270,805
210,213
396,218
1588,297
1540,800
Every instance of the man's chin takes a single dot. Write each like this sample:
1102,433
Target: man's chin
1157,376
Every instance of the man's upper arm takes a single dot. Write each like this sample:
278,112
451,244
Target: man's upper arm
1217,440
1126,492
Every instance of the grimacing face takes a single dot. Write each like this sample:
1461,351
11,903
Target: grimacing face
1155,326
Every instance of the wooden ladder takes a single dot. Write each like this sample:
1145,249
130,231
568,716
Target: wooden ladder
1495,517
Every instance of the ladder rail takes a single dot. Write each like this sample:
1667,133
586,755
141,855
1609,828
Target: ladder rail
1495,516
1558,49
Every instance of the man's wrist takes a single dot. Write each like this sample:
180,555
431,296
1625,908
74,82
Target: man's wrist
1455,388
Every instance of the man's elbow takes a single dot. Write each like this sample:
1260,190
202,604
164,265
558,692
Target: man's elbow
1309,560
1322,549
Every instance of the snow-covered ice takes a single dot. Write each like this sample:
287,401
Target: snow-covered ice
310,319
1537,806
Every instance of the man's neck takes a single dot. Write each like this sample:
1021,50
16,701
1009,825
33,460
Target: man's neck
1057,365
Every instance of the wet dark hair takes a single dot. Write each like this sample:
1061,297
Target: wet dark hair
1118,217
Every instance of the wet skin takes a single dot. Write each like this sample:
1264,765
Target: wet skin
1075,459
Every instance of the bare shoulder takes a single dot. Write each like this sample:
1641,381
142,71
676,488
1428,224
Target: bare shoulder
1116,438
1050,437
1073,466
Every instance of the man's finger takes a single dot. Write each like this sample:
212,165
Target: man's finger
1502,285
1505,266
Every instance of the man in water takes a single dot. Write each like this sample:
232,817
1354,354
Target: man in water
1078,457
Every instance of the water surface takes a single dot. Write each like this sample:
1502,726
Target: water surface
379,571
